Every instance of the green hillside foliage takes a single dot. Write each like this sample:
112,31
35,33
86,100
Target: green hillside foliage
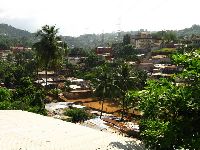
10,36
164,51
194,30
90,41
171,111
13,32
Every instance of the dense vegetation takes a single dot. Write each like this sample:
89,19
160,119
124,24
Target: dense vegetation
49,49
17,66
171,112
113,81
26,96
90,41
10,36
194,30
13,32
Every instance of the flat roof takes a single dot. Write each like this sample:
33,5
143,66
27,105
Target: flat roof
159,56
25,130
48,72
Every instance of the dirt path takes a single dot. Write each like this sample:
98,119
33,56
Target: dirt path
109,107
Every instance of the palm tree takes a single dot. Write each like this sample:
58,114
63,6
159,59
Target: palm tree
48,49
124,80
103,84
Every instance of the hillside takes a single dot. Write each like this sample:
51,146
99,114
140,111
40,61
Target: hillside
195,29
11,36
95,40
12,32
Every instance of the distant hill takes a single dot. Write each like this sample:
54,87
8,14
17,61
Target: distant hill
7,30
10,36
95,40
13,36
195,29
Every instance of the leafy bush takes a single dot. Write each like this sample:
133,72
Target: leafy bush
170,112
55,92
164,51
25,97
77,115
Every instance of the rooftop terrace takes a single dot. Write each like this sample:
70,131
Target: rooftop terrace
22,130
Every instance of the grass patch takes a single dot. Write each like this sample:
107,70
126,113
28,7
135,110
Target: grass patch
164,51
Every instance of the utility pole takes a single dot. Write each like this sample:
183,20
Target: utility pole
102,40
118,25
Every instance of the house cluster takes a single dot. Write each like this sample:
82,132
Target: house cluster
73,87
12,50
154,55
142,41
158,63
192,40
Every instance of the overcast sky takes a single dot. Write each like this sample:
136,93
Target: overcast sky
76,17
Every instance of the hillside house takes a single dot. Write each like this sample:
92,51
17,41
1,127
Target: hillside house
196,41
17,49
105,52
164,70
157,59
145,66
144,42
4,54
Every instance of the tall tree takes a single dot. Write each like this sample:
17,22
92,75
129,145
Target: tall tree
48,49
126,39
125,52
104,85
126,78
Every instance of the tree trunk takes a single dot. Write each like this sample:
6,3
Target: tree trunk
46,74
56,76
37,73
102,108
123,109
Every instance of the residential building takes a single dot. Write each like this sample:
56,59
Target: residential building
144,42
105,52
4,54
196,41
145,66
157,59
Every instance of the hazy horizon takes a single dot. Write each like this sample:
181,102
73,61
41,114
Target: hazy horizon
76,17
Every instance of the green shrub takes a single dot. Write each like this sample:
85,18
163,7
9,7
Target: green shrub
55,92
77,115
25,97
164,51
